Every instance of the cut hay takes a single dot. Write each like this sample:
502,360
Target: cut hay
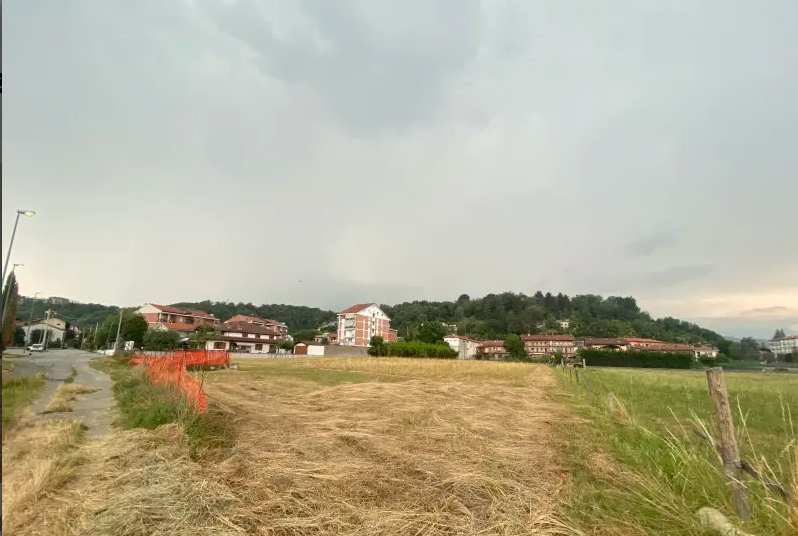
408,457
37,459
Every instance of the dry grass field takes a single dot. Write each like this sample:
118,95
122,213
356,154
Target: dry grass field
383,446
319,446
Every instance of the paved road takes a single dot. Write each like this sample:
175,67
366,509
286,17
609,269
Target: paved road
93,408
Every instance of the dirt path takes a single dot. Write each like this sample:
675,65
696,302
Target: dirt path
94,409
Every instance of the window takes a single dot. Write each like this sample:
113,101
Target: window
258,347
219,345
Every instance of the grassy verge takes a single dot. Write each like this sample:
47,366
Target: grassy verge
642,469
144,405
18,393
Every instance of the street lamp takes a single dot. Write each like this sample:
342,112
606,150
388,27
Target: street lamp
28,213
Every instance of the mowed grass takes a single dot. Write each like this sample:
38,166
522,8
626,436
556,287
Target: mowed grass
641,464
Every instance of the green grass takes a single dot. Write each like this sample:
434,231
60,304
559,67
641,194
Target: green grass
18,393
657,472
144,405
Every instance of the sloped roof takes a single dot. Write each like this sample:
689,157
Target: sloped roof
547,338
167,308
247,327
356,308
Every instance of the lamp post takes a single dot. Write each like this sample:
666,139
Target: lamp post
29,336
28,213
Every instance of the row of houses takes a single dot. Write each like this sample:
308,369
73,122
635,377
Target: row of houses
240,333
568,345
784,345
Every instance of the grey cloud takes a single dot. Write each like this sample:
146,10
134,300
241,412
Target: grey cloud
404,150
649,243
376,65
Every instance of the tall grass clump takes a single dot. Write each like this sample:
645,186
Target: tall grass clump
142,404
650,460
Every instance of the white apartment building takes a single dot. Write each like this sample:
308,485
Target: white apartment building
466,348
785,345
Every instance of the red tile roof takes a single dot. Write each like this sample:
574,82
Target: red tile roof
788,338
605,341
167,308
356,308
547,338
484,344
633,339
247,327
197,312
245,318
179,326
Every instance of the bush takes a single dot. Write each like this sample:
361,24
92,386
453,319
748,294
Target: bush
411,349
640,359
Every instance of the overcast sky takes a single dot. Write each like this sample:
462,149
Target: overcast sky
326,153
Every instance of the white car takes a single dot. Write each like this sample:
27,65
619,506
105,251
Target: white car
38,347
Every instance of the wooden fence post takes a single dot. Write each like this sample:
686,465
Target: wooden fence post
728,441
576,372
584,363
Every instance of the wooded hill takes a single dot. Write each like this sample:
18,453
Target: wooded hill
492,316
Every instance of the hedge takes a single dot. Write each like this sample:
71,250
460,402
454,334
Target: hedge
413,349
639,359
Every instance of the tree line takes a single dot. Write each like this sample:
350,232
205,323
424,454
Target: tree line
496,315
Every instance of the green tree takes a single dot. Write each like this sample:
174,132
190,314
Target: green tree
134,327
11,292
36,336
431,333
514,345
19,337
778,335
305,335
201,335
749,349
161,340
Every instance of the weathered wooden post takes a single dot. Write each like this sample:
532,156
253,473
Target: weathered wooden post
576,372
728,441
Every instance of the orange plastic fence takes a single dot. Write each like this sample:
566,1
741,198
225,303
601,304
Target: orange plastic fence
170,369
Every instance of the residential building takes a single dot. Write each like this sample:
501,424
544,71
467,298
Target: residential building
55,328
332,338
279,326
599,343
184,321
359,323
245,337
465,347
705,351
642,344
784,345
492,349
564,324
542,345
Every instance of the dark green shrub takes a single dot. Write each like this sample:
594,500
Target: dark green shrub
639,359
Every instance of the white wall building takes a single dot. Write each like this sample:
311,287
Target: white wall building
55,327
466,348
785,345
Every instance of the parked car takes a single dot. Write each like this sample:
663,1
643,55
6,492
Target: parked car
38,347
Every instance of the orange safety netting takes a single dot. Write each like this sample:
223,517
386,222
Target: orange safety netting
170,368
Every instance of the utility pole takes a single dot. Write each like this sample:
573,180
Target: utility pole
118,331
29,337
46,328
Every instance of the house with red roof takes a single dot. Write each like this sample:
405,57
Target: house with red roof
185,321
542,345
269,322
359,323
